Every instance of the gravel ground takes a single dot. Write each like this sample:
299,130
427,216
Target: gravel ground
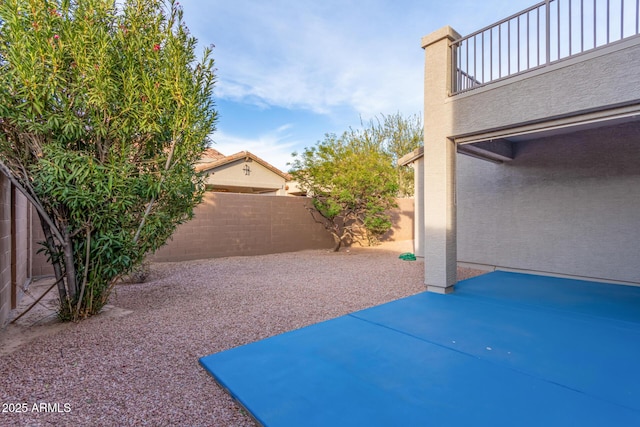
137,363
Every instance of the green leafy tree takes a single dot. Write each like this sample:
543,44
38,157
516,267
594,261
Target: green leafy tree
399,135
352,183
104,110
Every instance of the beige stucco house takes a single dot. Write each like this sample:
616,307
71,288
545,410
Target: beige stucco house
531,158
243,172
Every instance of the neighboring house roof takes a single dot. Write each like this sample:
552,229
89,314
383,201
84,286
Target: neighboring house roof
242,172
205,166
211,155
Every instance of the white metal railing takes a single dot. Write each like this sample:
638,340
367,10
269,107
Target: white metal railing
546,32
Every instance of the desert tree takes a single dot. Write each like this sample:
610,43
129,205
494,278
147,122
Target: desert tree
104,109
398,135
352,185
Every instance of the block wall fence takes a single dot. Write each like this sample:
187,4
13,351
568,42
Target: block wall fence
15,247
5,247
229,224
225,224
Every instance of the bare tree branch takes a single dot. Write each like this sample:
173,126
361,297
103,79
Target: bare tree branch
36,301
36,203
153,199
86,269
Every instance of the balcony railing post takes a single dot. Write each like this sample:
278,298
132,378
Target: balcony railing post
455,69
547,7
470,66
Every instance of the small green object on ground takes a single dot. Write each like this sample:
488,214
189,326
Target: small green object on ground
407,256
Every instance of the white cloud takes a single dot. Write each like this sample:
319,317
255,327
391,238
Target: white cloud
325,56
274,146
332,57
284,127
316,56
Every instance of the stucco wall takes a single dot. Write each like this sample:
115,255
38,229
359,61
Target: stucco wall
567,205
233,175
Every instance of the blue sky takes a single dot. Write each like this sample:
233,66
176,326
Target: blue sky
290,71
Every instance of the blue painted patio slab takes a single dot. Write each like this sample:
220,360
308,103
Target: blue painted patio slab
505,349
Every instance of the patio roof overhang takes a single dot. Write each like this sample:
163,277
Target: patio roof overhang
498,145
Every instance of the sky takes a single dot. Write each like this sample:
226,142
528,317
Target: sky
290,71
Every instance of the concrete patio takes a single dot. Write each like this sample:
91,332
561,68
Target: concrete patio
505,349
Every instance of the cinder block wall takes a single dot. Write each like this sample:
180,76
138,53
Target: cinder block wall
5,249
228,224
402,218
15,243
565,205
22,237
39,264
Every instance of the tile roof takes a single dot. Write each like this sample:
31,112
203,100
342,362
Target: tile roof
210,155
207,165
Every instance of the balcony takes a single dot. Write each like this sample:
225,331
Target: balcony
543,34
550,98
557,67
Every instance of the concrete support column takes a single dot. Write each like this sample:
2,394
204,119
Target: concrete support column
418,208
440,244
